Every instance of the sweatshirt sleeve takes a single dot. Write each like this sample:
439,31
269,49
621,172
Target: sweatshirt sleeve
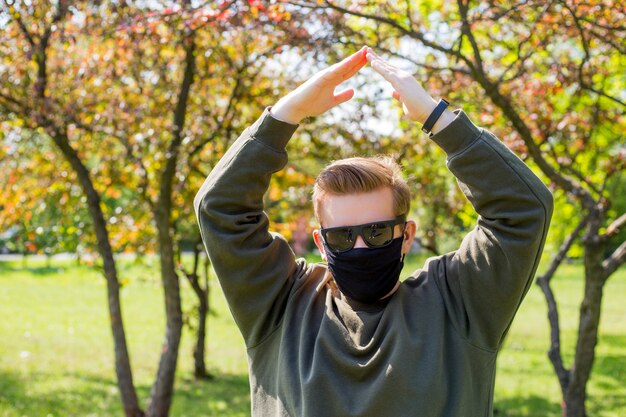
254,266
484,281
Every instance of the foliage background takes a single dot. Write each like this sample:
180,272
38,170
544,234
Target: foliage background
114,71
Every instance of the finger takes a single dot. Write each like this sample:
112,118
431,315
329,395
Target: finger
355,69
353,59
373,57
378,63
380,68
396,95
344,96
350,65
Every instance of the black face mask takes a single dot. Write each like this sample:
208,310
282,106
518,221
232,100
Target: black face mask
367,274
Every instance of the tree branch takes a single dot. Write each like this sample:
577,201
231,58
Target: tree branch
614,261
180,112
585,86
491,89
614,227
424,245
422,65
466,30
505,104
592,22
40,56
553,313
235,95
225,118
504,12
11,104
563,249
192,276
521,60
620,48
198,171
585,44
406,31
18,19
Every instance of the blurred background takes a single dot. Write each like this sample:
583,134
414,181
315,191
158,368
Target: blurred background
113,113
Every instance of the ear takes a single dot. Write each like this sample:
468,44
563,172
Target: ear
317,238
409,235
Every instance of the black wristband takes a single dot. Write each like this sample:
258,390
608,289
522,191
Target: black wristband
434,116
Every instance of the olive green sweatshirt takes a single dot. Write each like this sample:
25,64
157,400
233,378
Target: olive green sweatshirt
430,349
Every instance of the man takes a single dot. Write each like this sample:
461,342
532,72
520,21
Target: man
350,339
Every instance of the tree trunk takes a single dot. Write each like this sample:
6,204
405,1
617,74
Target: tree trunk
554,353
200,371
163,388
202,293
589,320
122,361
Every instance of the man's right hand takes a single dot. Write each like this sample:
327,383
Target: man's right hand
317,94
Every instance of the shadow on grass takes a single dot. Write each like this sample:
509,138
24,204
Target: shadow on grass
140,272
36,270
42,268
58,394
612,367
225,395
531,406
73,394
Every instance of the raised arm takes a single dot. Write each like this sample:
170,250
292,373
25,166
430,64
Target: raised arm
482,283
256,268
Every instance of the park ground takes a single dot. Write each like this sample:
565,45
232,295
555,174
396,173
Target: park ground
56,349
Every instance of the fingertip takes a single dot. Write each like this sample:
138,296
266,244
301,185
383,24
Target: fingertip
363,55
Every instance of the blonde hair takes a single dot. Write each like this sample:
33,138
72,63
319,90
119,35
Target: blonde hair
362,175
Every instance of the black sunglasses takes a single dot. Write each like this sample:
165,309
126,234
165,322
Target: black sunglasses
375,235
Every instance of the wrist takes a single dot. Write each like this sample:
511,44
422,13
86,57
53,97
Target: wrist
438,116
446,118
281,112
429,106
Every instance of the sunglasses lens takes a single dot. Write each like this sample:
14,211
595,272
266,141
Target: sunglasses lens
340,239
378,234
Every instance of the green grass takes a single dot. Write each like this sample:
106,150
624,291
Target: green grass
56,348
526,384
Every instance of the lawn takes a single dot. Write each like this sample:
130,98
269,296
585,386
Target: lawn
56,348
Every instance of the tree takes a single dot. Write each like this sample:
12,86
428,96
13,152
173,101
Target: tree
26,94
105,75
498,59
202,66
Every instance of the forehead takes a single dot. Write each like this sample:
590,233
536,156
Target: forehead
353,209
